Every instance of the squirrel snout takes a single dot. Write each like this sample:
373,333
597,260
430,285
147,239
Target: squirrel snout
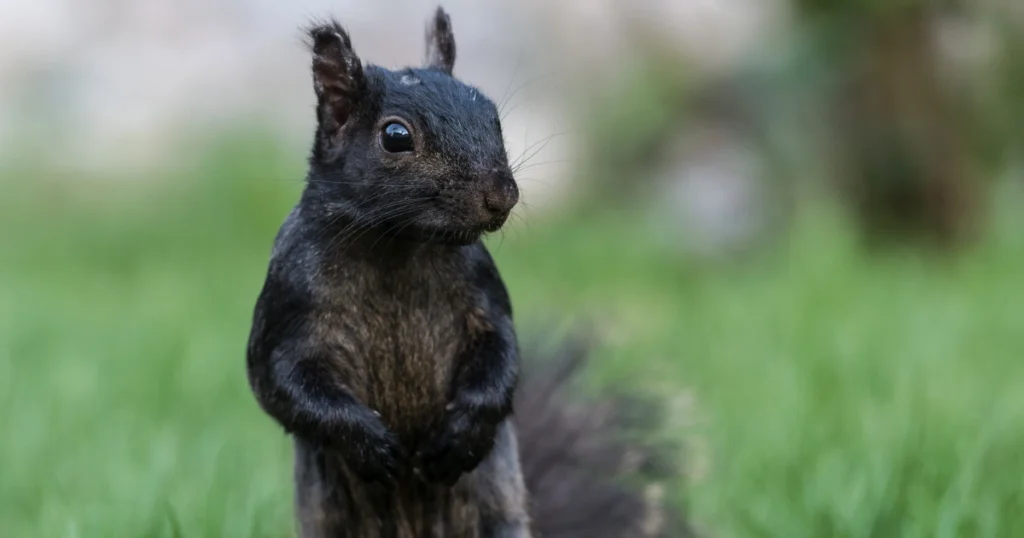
502,196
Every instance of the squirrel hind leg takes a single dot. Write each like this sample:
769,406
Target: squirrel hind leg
502,497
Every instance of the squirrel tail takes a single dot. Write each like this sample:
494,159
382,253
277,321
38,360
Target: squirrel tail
587,473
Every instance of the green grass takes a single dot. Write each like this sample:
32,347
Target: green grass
832,394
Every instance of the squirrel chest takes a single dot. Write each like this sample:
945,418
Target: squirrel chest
396,333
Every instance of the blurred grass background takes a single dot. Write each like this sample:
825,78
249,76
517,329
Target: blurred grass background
821,387
826,393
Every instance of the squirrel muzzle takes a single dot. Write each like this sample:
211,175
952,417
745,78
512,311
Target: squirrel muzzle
500,195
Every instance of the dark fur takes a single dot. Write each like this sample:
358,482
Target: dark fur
576,450
383,338
441,42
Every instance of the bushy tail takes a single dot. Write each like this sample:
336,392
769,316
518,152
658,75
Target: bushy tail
588,471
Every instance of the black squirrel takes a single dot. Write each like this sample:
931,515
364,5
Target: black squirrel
383,339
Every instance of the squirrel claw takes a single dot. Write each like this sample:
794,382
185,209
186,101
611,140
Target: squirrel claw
462,443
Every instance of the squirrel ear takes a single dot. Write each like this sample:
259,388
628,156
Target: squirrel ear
441,42
338,77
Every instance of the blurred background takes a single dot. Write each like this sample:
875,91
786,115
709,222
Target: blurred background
796,220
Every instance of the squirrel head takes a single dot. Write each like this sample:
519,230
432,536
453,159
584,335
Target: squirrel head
414,151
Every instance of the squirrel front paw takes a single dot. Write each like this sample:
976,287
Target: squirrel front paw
373,452
465,438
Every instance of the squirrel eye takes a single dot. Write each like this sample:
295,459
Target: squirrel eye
395,138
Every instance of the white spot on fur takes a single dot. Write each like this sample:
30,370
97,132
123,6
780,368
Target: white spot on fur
410,80
654,522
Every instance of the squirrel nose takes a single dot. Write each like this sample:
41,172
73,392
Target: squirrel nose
502,195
